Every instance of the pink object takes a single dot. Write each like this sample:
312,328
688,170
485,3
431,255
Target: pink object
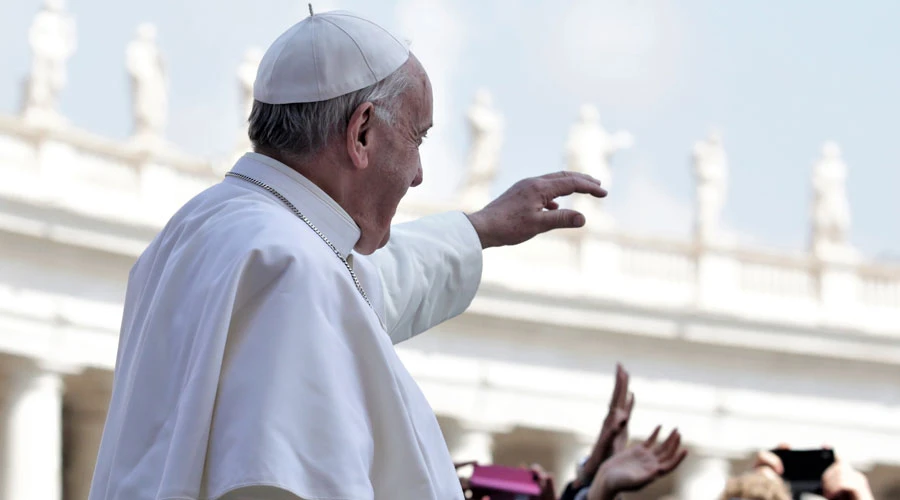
506,479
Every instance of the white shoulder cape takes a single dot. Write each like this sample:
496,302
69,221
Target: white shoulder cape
248,357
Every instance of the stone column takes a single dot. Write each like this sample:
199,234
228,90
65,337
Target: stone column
32,416
702,476
472,444
87,400
87,429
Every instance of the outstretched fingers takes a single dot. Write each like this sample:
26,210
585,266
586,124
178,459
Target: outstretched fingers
672,463
552,186
620,392
651,441
619,420
565,183
618,387
562,174
670,446
560,218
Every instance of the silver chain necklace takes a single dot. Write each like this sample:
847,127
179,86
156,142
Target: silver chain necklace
312,226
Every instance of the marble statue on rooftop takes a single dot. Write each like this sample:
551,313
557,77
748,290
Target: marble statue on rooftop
246,76
52,40
148,85
589,150
711,175
831,208
486,130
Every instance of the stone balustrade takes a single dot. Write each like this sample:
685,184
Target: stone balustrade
77,209
67,185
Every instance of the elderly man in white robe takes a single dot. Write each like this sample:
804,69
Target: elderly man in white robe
256,355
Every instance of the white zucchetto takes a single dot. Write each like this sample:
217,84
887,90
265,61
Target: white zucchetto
325,56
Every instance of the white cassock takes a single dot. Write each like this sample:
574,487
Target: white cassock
250,363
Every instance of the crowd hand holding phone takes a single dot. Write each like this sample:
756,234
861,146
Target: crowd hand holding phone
840,481
540,476
612,439
613,434
545,481
636,467
843,482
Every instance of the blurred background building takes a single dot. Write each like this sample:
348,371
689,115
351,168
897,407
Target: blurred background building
725,270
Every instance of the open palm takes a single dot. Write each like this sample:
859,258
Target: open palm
634,468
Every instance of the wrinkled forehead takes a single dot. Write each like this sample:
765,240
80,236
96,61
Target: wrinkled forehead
420,95
423,86
425,116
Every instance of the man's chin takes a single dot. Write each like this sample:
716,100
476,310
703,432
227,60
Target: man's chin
387,237
366,247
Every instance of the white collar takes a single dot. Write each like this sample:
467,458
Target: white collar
330,218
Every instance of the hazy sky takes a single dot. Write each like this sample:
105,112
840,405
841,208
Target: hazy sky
776,78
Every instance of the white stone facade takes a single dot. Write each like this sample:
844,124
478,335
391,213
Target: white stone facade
739,348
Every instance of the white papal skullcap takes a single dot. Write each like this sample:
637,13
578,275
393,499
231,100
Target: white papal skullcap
325,56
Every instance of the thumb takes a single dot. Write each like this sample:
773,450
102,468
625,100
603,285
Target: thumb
561,218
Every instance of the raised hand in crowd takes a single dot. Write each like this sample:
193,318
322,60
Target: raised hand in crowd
636,467
613,467
614,432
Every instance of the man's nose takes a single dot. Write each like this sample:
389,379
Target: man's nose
418,179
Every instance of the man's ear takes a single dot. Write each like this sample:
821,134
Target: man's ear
359,134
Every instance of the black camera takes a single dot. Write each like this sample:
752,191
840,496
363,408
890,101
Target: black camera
803,469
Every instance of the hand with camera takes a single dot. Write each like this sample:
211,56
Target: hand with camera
769,464
843,482
636,467
546,483
839,481
497,482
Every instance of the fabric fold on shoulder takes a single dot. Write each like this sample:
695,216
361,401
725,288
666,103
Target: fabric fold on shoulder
430,270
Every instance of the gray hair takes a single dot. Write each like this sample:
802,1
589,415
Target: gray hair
299,130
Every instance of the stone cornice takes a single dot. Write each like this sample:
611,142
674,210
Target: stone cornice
70,228
132,153
595,314
577,279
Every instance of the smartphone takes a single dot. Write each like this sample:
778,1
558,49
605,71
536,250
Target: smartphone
504,483
803,469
